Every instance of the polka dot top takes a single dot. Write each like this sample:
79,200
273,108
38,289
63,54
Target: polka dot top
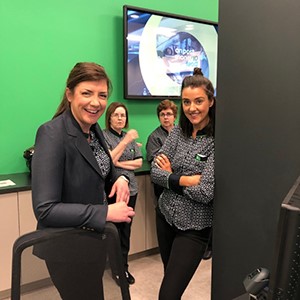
187,207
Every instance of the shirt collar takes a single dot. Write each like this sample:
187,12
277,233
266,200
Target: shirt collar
202,131
164,129
116,133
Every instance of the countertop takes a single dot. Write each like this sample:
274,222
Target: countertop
23,180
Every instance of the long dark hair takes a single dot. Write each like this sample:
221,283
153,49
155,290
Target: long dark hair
193,81
82,71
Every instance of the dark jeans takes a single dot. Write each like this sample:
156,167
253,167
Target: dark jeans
181,253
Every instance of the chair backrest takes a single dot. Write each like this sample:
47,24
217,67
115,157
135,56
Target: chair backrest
79,248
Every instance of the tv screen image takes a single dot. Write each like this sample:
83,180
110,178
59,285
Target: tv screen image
160,49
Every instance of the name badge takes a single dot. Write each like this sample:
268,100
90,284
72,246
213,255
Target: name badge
200,157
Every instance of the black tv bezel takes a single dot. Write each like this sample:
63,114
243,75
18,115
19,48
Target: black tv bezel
125,47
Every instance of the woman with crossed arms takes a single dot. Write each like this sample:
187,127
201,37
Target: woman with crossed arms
185,168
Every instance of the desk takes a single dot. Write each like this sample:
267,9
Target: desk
22,181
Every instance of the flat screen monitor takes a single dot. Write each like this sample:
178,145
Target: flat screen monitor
160,49
285,272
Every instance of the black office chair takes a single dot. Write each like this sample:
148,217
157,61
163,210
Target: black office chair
78,245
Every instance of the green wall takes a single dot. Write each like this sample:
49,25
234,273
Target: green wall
40,41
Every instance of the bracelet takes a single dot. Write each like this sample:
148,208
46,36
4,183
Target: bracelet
125,178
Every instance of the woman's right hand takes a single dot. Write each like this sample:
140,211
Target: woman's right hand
163,162
131,135
119,212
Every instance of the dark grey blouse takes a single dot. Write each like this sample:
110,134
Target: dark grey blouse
131,152
155,141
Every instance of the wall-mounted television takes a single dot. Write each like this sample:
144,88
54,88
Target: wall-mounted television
160,49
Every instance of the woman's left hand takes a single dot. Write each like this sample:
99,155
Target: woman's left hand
163,162
121,189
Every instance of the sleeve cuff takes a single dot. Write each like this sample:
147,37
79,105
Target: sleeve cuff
173,182
125,178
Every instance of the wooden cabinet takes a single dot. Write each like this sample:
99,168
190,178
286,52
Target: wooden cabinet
35,268
9,232
138,229
26,216
150,222
143,231
17,218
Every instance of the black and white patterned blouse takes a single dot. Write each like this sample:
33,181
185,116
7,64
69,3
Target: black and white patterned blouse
155,141
101,156
131,152
187,207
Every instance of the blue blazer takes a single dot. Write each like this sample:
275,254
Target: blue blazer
67,186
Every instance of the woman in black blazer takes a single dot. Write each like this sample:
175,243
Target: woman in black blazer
73,174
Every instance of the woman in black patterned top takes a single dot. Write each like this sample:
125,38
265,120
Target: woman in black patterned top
127,157
185,168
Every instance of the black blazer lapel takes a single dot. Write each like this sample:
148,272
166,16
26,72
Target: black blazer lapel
73,129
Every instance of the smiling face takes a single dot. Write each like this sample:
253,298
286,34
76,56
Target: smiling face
118,119
195,105
88,102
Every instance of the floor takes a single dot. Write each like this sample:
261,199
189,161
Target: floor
148,274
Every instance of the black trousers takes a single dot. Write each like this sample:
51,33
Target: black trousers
158,189
78,281
124,230
181,253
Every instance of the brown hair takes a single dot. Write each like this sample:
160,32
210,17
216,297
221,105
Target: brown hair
111,109
193,81
166,104
83,71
